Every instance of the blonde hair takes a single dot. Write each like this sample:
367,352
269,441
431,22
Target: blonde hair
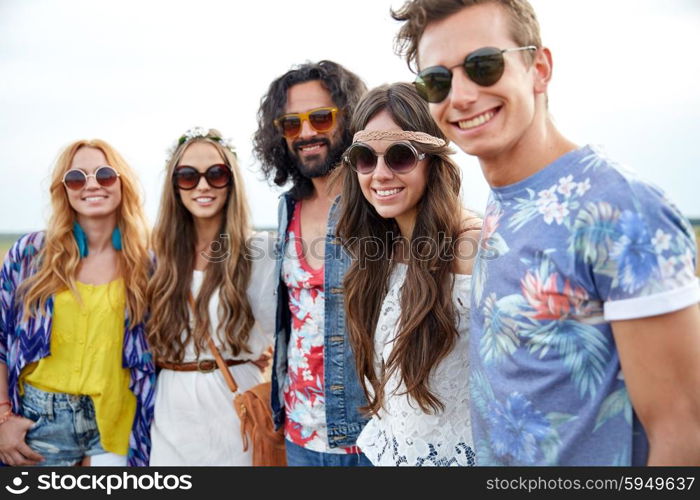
173,242
59,258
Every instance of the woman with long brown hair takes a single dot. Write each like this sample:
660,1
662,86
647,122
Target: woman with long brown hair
407,291
76,379
213,280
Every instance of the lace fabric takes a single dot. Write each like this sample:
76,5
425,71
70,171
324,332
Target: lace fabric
402,434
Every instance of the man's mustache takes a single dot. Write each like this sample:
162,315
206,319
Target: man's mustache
321,140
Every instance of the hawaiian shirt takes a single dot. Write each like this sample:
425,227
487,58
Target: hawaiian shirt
563,253
303,390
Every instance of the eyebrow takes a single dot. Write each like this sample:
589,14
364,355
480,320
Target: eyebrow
90,169
205,167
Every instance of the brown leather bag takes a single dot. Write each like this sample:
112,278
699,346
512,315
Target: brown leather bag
255,414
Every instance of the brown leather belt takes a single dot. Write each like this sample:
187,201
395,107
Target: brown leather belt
203,365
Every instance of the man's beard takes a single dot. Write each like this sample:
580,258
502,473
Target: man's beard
317,167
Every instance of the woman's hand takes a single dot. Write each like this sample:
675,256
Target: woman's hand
264,360
13,449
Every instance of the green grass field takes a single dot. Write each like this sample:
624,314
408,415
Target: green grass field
6,241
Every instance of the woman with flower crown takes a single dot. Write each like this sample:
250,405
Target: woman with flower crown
76,378
212,280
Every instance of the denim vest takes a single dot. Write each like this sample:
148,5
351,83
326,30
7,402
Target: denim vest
343,392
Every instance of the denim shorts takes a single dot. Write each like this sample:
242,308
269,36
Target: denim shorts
298,456
65,429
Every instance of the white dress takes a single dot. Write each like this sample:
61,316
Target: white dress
194,419
402,434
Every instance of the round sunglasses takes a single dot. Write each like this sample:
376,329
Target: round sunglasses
484,67
187,178
400,157
76,178
321,120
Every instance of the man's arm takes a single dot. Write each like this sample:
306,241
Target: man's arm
660,358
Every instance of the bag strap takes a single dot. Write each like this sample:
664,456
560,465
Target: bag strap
230,381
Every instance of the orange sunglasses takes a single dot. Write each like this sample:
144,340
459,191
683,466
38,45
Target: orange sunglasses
320,119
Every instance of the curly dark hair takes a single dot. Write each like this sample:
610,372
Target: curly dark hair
270,148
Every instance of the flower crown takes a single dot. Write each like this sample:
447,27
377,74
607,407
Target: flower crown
196,133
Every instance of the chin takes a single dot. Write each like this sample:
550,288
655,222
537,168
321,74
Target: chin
316,169
97,212
206,213
202,214
388,212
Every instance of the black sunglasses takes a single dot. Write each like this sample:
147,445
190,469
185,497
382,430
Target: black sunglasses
400,157
484,67
187,178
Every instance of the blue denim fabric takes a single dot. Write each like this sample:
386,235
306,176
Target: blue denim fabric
298,456
65,429
343,392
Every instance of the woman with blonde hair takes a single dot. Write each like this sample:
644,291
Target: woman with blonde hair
76,379
214,281
407,290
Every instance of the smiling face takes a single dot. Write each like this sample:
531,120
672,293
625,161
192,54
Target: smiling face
392,195
315,152
204,201
93,200
487,122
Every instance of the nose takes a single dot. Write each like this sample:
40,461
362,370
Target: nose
91,182
382,172
307,131
464,92
202,185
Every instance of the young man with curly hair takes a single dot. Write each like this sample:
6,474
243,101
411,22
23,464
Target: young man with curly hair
303,129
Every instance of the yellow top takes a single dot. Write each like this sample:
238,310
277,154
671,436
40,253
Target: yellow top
86,358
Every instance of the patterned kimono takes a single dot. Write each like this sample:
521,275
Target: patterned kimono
26,341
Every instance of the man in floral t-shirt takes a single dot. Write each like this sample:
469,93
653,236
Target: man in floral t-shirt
316,395
585,326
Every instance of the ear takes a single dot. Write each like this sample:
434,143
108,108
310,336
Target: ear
542,66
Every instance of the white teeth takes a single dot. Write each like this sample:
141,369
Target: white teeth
94,198
475,122
203,199
388,192
311,147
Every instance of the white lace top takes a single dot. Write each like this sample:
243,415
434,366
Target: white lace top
402,434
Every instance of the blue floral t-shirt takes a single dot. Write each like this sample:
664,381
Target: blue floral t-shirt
564,252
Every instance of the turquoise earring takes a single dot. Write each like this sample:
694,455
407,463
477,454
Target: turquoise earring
81,239
117,239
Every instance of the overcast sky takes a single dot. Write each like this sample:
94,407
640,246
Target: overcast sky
139,73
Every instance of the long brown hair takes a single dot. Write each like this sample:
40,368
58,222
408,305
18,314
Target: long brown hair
426,330
174,238
59,258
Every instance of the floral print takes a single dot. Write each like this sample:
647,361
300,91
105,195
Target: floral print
517,429
304,396
563,253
